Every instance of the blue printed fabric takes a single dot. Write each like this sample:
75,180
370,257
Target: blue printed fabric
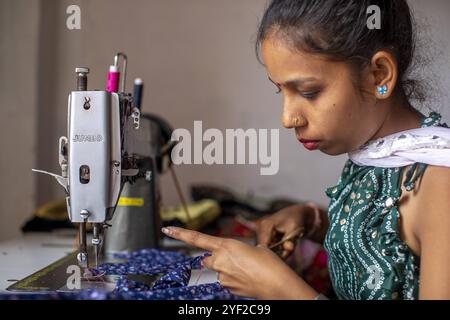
175,268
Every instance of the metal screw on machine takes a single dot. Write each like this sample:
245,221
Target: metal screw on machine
81,78
136,115
85,214
82,258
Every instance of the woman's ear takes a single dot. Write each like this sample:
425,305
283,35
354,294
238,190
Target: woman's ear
385,74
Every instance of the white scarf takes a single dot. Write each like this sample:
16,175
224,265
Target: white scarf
428,145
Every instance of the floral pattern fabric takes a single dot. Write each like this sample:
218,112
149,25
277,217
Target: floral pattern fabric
174,267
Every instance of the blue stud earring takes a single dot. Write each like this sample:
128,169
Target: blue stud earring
383,90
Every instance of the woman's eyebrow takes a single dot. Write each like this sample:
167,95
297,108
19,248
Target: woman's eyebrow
294,82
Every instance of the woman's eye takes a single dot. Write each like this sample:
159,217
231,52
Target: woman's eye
310,95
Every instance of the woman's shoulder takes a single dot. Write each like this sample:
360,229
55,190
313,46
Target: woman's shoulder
433,231
432,200
424,209
435,183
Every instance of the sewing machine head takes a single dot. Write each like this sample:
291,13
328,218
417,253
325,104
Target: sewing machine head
93,154
96,157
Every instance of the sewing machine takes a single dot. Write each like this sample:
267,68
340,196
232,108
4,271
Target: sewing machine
98,157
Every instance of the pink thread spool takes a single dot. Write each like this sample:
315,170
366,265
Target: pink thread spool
113,79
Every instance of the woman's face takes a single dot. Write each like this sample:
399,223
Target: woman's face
321,102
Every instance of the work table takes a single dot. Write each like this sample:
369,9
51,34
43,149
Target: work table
24,255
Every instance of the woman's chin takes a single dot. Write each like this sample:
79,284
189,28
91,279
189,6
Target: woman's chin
332,150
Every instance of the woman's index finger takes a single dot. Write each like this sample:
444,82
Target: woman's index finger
194,238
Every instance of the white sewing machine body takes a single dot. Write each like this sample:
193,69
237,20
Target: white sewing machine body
94,155
97,157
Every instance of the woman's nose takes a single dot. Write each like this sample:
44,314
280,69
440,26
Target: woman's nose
291,117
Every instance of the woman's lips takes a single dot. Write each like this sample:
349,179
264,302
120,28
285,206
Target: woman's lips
310,144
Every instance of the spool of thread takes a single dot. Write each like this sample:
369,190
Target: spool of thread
138,88
113,79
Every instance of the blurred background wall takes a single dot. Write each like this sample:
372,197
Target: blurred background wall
198,63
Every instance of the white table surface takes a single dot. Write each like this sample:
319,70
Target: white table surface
31,252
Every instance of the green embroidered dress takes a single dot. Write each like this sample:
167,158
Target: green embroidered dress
366,257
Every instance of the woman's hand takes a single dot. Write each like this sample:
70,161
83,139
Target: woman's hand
245,270
280,224
309,217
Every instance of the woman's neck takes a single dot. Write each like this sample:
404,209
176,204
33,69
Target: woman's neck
402,116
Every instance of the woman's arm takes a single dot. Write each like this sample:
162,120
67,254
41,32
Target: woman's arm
318,234
433,232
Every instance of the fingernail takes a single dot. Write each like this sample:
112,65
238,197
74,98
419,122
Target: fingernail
166,231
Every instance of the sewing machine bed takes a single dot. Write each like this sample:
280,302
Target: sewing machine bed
53,278
21,254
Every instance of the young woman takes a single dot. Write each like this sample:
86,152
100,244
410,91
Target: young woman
346,90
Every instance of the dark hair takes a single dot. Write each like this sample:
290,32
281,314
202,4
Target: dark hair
338,29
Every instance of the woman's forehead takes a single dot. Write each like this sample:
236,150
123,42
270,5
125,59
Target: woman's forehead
285,64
